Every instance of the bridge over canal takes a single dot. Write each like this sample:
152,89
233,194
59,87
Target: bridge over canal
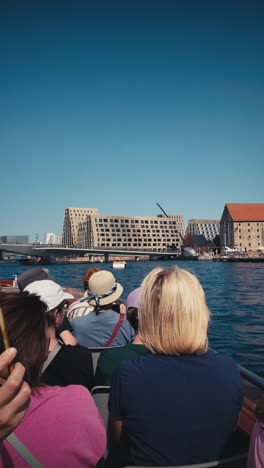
50,252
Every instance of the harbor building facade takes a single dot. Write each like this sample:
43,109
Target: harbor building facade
209,228
122,232
15,239
51,238
242,226
72,218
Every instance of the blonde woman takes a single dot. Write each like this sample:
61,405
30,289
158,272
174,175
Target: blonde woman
180,403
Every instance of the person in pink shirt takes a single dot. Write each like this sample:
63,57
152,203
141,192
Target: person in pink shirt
62,426
256,448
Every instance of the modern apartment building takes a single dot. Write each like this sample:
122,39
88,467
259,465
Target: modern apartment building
209,228
242,226
72,218
51,238
122,232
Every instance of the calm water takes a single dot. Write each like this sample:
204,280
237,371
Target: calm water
234,295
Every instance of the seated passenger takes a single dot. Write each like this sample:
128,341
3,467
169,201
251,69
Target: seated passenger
179,404
33,274
110,359
64,331
256,448
62,426
103,326
70,364
80,308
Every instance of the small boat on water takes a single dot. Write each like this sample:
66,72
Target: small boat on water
119,265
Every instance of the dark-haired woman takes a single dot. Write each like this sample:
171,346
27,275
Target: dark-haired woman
62,426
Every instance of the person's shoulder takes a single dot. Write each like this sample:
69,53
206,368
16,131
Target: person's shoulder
220,358
72,403
223,365
47,395
77,350
112,351
77,394
135,367
111,354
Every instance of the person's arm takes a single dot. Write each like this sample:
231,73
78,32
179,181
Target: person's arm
14,394
68,338
64,332
116,438
117,441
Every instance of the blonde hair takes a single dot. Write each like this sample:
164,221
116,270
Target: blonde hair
173,315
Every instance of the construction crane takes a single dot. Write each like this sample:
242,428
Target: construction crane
170,247
162,210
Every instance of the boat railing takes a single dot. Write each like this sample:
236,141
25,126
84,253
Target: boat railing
251,377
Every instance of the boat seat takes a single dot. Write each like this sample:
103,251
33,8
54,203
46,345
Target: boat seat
100,396
96,354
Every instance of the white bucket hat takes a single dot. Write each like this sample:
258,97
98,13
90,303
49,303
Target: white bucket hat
103,289
49,292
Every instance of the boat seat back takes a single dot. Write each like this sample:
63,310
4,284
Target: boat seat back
96,354
100,395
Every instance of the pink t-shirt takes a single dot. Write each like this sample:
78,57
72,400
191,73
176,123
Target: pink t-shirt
256,448
62,428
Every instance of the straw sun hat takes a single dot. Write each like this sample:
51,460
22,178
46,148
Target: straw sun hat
103,289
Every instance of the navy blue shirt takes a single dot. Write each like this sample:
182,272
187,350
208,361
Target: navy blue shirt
176,409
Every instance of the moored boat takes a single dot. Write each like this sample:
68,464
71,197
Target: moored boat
119,265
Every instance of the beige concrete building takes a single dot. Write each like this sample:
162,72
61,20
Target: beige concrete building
242,226
72,218
209,228
91,230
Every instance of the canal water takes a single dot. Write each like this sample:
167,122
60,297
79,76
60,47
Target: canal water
234,293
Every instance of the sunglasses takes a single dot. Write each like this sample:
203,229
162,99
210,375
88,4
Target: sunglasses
62,307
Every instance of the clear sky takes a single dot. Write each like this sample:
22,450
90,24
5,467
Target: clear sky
119,105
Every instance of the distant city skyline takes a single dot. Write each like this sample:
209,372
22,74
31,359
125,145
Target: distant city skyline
120,105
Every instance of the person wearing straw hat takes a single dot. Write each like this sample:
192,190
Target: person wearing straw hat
103,327
80,308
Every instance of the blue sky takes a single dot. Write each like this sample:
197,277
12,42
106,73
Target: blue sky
119,105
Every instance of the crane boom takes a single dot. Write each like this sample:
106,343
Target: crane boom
162,210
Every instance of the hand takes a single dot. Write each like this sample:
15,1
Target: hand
122,309
14,394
